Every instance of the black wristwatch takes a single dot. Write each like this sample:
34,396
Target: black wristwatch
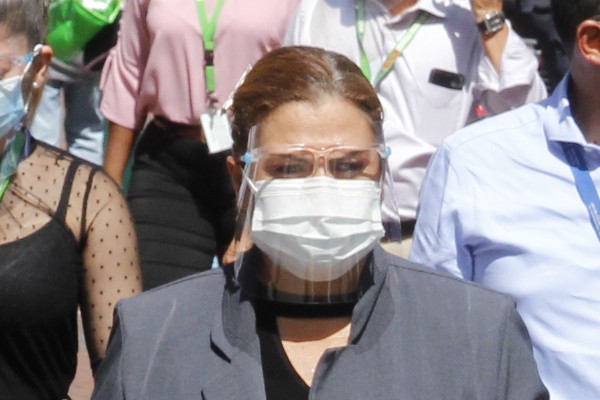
492,22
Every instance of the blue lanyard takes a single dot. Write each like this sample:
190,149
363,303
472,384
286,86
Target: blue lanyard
583,181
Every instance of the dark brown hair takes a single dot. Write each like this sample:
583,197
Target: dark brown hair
299,73
25,17
568,14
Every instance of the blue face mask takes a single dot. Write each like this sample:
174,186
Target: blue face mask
12,106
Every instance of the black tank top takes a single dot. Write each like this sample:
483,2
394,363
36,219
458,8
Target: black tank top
40,278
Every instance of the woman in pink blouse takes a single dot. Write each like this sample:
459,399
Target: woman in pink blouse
180,194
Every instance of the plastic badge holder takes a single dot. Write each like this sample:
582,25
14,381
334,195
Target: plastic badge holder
73,23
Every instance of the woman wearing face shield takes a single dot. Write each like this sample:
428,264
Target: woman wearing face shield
312,307
67,241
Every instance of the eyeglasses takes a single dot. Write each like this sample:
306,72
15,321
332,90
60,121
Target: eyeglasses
9,62
341,162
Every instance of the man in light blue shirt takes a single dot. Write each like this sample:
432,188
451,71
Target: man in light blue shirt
511,203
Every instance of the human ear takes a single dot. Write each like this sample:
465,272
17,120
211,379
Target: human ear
588,40
235,170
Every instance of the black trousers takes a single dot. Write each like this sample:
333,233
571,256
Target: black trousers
183,203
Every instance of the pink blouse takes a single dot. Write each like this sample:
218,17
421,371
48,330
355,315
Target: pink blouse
157,65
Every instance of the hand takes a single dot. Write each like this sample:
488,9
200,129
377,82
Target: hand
235,248
231,253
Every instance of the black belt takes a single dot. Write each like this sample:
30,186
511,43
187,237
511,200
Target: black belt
394,233
183,130
408,227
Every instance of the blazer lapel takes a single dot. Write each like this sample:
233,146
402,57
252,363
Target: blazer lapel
233,337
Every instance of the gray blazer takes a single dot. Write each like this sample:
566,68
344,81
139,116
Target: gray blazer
415,334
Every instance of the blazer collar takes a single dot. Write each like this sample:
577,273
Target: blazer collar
234,328
375,309
234,337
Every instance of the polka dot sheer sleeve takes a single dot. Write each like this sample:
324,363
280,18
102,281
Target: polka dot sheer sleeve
110,261
51,187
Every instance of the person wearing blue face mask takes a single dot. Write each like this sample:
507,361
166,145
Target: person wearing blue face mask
67,240
12,104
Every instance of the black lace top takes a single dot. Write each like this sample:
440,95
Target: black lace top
66,241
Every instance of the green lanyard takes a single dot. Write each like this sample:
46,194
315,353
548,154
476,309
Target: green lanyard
10,161
388,64
209,30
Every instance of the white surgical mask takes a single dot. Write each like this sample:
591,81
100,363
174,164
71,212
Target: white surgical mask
317,228
12,105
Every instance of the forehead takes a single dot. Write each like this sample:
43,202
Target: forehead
331,121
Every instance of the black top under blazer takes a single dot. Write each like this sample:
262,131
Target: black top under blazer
415,334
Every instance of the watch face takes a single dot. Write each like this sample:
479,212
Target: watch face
497,21
492,23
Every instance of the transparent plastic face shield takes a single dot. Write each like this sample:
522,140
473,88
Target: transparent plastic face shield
309,217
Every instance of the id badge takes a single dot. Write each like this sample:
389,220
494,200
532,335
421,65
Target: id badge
217,131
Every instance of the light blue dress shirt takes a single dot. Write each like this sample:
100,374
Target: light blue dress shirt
499,206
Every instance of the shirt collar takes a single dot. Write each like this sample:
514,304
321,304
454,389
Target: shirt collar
559,123
433,7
